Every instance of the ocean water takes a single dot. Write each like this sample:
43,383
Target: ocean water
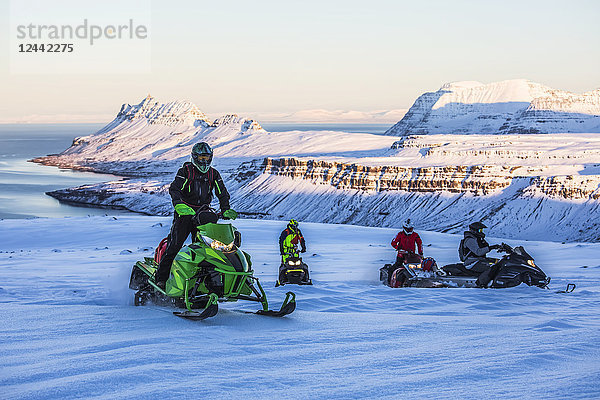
23,184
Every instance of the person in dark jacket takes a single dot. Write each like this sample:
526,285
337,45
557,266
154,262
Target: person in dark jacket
473,252
289,240
191,193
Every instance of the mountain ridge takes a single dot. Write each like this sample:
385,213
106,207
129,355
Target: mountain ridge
514,106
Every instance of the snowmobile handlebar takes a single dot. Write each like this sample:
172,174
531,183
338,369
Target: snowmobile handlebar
411,253
208,214
503,248
506,248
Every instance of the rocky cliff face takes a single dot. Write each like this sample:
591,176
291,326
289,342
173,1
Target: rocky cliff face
477,180
513,204
533,208
515,106
568,187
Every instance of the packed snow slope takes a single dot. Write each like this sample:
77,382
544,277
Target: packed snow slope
70,329
538,186
513,106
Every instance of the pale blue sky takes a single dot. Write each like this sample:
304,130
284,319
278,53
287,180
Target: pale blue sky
282,56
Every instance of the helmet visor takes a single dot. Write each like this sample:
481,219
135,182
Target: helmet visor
203,158
202,161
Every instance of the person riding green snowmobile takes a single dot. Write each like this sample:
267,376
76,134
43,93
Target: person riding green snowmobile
289,240
191,193
473,251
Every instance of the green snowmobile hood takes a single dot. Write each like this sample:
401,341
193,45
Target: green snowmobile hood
224,233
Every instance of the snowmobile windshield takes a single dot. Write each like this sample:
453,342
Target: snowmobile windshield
521,251
224,233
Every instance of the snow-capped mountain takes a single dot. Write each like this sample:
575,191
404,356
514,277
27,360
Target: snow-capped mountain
534,186
151,131
513,106
173,113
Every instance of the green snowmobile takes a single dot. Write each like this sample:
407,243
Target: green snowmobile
210,270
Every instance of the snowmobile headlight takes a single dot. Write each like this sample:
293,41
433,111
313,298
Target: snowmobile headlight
217,245
530,262
292,262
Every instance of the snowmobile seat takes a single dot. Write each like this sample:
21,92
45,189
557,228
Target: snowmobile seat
458,269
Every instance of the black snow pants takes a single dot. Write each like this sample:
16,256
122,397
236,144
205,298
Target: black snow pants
182,226
487,269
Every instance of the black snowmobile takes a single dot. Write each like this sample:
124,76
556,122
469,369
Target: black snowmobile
293,271
515,267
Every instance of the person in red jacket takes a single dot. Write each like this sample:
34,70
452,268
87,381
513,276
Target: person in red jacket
405,242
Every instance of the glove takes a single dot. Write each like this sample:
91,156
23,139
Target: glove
303,251
230,214
184,209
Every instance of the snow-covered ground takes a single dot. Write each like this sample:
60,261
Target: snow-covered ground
70,330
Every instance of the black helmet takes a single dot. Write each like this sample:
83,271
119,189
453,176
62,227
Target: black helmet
408,226
477,228
202,156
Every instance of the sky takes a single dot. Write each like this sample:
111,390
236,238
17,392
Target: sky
260,58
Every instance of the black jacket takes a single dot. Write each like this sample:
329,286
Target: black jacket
195,189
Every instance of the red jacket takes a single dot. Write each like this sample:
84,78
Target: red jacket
405,242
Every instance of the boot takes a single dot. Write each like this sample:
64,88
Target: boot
484,279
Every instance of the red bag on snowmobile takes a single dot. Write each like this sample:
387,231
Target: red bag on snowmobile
160,250
428,264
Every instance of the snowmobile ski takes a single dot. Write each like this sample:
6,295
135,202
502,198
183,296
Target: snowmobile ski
288,307
569,289
208,312
309,283
212,308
